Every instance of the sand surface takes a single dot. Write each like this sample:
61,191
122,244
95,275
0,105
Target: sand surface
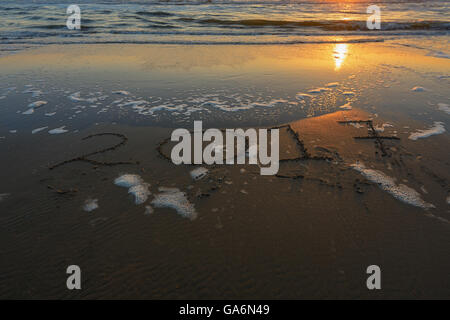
88,180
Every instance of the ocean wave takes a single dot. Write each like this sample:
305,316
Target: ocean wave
155,13
224,2
330,25
196,42
259,22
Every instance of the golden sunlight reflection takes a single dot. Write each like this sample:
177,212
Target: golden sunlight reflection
339,54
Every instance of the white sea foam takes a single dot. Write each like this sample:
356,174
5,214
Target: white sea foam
3,196
356,125
136,186
448,200
148,210
51,114
29,111
382,127
346,106
90,205
319,90
444,107
418,89
199,173
12,131
37,104
34,105
437,128
140,192
34,92
59,130
38,130
225,107
121,92
302,96
128,180
134,104
271,103
388,184
76,97
175,199
167,107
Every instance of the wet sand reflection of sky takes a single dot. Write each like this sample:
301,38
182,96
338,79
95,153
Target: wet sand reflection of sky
339,55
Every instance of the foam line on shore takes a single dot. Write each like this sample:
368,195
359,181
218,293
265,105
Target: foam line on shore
136,186
437,128
90,205
175,199
388,184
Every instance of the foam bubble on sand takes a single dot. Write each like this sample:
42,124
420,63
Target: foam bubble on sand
90,205
51,114
356,125
128,180
166,107
175,199
3,196
346,106
225,107
418,89
121,92
76,97
34,92
59,130
444,107
382,127
136,186
37,104
148,210
332,84
140,192
134,103
437,128
34,105
38,130
199,173
386,183
319,90
302,96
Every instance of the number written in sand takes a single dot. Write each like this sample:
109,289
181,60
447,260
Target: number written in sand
86,157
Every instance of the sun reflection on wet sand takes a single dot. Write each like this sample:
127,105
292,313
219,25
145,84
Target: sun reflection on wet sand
339,54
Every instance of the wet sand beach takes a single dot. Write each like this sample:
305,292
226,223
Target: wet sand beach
87,180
